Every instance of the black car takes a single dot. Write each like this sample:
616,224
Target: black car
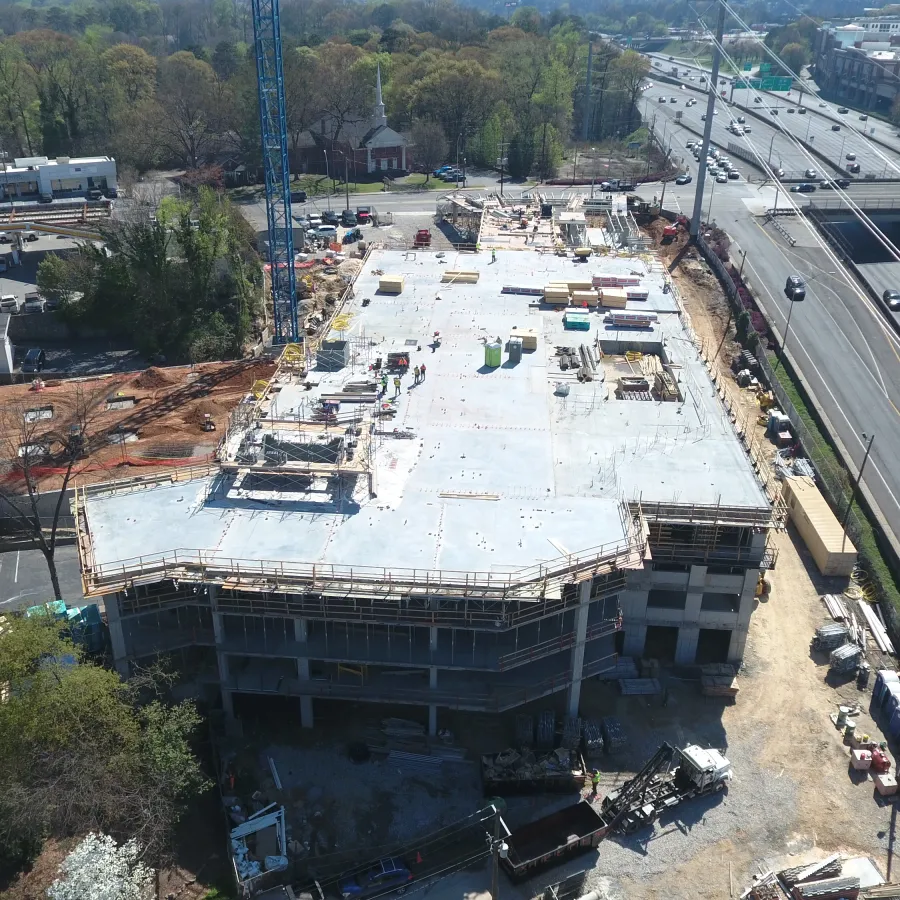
892,298
298,196
853,168
804,188
683,179
330,217
34,361
835,127
843,110
94,194
842,182
626,186
795,288
348,218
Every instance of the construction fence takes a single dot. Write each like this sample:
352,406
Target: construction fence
833,478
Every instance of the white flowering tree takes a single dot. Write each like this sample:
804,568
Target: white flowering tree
100,869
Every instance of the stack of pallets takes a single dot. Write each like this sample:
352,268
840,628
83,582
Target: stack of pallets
718,681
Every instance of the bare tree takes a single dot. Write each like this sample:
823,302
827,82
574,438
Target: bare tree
38,441
429,145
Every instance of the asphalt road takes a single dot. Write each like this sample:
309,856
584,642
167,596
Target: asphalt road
814,126
25,581
844,347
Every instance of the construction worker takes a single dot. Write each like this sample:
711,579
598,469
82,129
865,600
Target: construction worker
416,375
422,372
595,783
384,382
396,385
493,255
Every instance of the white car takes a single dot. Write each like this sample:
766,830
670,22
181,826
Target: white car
35,304
721,178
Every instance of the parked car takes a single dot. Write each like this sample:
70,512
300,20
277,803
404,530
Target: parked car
4,237
113,193
892,298
35,360
326,231
674,99
773,112
348,218
298,196
703,117
387,874
10,303
683,179
795,288
363,215
29,235
779,173
722,178
662,100
34,302
330,217
734,175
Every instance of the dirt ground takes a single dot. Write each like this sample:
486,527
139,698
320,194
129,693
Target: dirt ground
169,408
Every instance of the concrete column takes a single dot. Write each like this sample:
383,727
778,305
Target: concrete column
222,657
432,708
301,633
403,155
581,619
116,634
737,644
686,648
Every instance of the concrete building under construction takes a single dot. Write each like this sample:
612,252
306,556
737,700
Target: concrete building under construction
560,490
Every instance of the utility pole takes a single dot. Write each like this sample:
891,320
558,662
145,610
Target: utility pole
855,490
346,183
587,89
710,109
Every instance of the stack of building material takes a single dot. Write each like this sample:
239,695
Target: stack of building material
592,736
845,658
881,892
876,627
765,887
605,281
631,687
391,284
719,681
584,298
613,298
637,293
630,320
828,637
835,605
546,729
827,889
556,294
524,730
571,736
452,276
584,285
529,337
516,289
576,320
823,869
614,738
415,762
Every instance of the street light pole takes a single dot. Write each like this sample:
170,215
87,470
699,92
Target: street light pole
712,191
743,260
771,144
859,476
787,325
499,849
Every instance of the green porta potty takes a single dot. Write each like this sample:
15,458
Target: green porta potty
493,354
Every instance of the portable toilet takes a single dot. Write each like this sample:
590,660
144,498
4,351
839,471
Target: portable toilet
515,350
493,354
882,680
890,699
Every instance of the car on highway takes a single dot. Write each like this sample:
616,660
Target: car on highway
892,299
843,110
747,129
835,127
734,175
691,102
791,109
387,874
703,117
853,168
673,99
802,111
741,120
810,173
822,105
661,100
795,288
757,99
850,157
690,144
863,118
29,235
683,179
829,185
773,112
803,188
721,178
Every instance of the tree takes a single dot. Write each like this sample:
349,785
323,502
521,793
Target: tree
84,751
795,56
99,869
429,145
32,448
895,111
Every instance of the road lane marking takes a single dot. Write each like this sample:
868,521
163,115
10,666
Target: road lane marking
16,576
837,405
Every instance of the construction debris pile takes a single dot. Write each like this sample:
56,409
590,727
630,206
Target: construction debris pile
406,745
827,879
512,771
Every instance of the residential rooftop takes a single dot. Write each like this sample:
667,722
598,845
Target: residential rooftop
477,467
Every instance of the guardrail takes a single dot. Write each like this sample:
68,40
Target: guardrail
783,231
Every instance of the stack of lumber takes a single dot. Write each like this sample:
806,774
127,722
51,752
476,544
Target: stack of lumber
830,867
836,607
586,297
391,284
459,277
556,294
876,627
613,298
718,681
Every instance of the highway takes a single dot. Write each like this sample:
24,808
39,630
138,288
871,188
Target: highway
815,124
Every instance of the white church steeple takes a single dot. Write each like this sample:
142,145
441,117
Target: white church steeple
380,117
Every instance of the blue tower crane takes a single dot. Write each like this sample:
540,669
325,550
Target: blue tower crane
273,126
